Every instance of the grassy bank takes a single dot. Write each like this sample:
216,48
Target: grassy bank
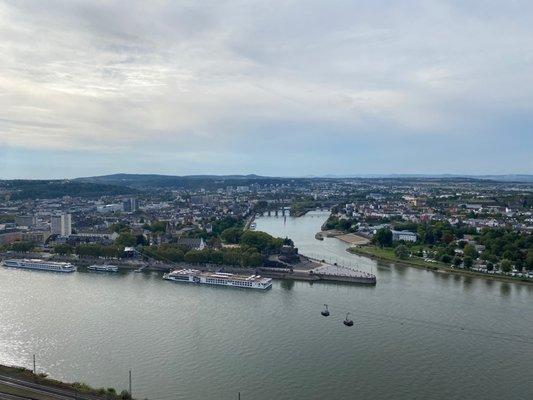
387,255
41,379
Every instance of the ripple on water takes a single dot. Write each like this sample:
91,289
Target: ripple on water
191,342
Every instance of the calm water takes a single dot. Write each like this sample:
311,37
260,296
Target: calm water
418,334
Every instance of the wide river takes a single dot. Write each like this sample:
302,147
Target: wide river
417,334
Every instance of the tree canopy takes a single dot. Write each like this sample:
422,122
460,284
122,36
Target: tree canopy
383,237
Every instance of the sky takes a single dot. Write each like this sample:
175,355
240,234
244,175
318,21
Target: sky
278,88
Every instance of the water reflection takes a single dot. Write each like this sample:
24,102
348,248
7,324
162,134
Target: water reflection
467,283
400,271
233,336
505,289
287,284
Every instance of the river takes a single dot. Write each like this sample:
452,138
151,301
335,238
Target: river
417,334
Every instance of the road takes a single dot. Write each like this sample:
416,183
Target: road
38,391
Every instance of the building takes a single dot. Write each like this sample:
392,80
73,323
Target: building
101,238
61,224
130,205
191,243
37,237
10,237
404,235
25,220
110,208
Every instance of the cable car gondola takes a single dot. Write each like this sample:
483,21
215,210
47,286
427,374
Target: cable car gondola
347,322
325,312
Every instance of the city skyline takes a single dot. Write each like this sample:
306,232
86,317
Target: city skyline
293,89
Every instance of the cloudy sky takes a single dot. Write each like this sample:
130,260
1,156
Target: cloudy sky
293,87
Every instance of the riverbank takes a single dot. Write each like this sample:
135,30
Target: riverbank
350,238
387,256
19,381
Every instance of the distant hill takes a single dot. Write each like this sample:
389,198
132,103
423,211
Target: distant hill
184,182
147,181
508,178
498,178
49,189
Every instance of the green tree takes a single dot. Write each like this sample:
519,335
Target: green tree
6,218
63,249
141,240
97,250
126,239
506,266
166,253
470,251
22,247
156,227
120,227
447,237
125,395
457,261
446,258
401,252
383,237
468,262
111,394
261,241
222,224
529,260
231,235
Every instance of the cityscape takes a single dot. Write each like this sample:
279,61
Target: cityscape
218,231
302,200
464,225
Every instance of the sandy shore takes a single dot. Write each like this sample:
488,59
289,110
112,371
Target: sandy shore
350,238
354,239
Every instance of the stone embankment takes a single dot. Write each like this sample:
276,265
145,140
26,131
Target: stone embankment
307,269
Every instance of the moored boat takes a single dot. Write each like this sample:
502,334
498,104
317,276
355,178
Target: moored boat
103,268
219,278
41,265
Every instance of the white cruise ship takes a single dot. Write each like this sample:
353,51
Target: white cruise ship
218,278
40,265
103,268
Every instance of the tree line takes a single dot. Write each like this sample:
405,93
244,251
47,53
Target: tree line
502,247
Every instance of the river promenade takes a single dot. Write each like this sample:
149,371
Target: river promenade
306,270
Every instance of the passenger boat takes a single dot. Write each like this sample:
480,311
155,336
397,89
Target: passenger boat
218,278
41,265
103,268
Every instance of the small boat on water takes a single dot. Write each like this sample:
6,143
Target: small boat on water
347,321
103,268
325,311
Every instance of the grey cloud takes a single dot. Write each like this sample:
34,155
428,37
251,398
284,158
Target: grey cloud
125,72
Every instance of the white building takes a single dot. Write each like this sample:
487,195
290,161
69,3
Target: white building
404,235
110,208
61,224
